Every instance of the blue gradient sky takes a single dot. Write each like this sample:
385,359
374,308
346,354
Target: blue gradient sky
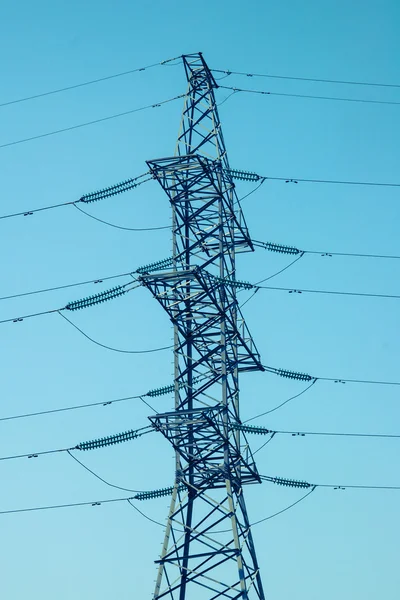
336,543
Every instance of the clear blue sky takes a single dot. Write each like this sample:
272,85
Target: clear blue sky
335,544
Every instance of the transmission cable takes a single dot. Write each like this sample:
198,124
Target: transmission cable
68,285
313,380
94,444
281,270
228,72
263,477
144,515
329,292
86,83
57,506
95,121
308,96
284,249
277,248
110,347
118,487
252,177
107,192
259,430
68,408
296,376
283,403
153,393
284,509
120,226
79,304
293,483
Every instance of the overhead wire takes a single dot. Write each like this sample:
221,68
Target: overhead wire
126,274
328,292
118,487
293,375
87,198
297,180
308,96
95,121
283,249
305,484
109,440
111,347
58,506
267,412
65,286
68,408
281,270
120,226
260,430
284,509
129,499
96,299
228,72
87,83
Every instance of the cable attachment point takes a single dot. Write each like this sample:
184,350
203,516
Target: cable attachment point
243,175
251,429
113,190
97,298
156,266
110,440
289,482
280,248
293,375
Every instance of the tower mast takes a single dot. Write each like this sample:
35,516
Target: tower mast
208,549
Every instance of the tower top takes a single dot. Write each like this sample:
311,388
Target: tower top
200,130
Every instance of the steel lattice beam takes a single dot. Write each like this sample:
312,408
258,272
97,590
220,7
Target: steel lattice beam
208,550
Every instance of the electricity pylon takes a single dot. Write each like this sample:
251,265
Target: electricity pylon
208,550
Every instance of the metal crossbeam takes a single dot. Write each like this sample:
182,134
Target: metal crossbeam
208,550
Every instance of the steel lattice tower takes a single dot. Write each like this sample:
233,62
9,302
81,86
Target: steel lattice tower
208,549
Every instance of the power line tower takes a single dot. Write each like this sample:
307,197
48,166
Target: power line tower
208,550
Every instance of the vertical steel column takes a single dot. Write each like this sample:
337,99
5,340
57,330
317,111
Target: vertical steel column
199,295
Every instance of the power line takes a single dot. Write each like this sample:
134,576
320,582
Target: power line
118,487
129,499
150,393
95,444
261,244
259,430
329,292
151,350
78,304
228,72
107,192
84,303
295,376
308,96
281,270
313,382
285,509
68,285
253,177
267,412
332,181
120,226
57,506
86,83
305,484
283,249
103,119
144,515
68,408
